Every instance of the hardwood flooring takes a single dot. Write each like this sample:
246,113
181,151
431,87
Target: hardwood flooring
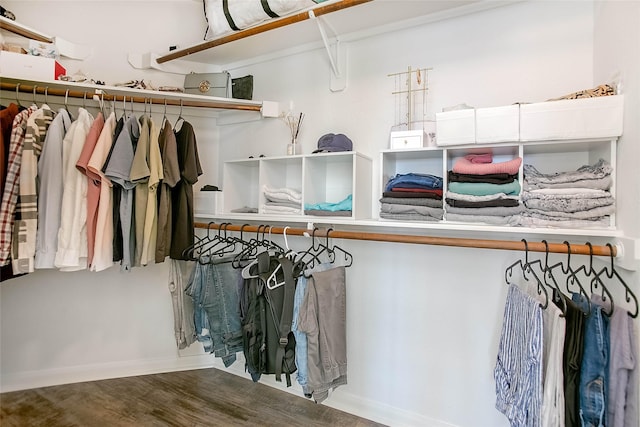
205,397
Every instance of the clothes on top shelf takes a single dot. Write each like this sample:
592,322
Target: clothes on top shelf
481,191
579,198
82,193
342,208
282,200
412,197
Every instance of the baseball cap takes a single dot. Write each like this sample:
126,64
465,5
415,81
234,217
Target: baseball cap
334,142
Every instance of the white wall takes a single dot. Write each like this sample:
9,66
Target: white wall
423,322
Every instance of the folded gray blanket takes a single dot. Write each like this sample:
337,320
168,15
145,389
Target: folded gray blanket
484,219
588,173
534,221
588,214
411,209
470,198
490,211
408,217
432,203
566,204
320,212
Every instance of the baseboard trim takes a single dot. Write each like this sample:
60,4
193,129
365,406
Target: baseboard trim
340,399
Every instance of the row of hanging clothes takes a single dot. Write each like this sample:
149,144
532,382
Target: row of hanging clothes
568,351
211,291
88,192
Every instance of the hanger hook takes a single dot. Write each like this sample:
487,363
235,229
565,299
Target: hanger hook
526,251
84,101
568,256
590,258
546,254
66,97
242,231
610,276
18,90
46,95
284,233
35,88
329,230
181,115
165,106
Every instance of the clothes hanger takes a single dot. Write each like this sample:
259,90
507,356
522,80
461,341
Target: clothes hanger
189,251
574,281
247,254
164,118
66,102
46,95
348,258
34,95
219,245
17,98
557,294
525,268
629,295
179,117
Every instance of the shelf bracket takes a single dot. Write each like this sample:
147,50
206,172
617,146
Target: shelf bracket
338,61
628,253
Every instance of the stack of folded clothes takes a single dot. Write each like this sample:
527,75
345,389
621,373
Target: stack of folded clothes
482,191
574,199
412,197
282,201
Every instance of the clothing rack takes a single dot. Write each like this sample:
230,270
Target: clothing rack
157,99
510,245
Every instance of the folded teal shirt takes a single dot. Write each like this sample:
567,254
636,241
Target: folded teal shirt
343,205
484,189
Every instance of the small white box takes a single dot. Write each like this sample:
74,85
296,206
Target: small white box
399,140
597,117
456,127
29,67
207,202
498,124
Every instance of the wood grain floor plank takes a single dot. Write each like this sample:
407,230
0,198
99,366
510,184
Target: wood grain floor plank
204,397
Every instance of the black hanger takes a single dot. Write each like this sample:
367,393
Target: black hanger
348,258
629,295
189,251
18,98
250,249
220,245
526,268
568,271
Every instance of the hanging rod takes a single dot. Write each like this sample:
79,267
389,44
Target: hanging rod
509,245
159,100
269,25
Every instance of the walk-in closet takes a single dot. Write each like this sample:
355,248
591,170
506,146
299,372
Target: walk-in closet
426,212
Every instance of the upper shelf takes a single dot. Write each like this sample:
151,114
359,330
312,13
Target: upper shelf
116,93
348,20
23,30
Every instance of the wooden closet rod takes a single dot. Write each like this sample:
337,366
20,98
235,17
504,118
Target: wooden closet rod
509,245
159,100
269,25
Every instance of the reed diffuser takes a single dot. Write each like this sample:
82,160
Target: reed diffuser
293,122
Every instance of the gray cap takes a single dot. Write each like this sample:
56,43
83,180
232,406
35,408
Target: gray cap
332,143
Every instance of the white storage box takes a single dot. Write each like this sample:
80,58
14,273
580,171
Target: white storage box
498,124
456,127
596,117
207,202
29,67
407,139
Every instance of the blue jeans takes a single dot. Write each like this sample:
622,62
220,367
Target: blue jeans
220,301
195,289
414,180
594,369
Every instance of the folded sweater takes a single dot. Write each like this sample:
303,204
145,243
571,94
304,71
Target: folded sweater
466,166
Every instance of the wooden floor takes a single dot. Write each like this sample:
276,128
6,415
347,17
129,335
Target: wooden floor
205,397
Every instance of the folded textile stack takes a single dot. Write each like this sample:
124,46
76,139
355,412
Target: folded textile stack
573,199
482,191
282,201
412,197
341,208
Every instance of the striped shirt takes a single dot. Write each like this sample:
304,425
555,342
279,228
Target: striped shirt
11,185
23,248
518,371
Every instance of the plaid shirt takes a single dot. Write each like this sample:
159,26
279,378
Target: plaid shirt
10,195
23,248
